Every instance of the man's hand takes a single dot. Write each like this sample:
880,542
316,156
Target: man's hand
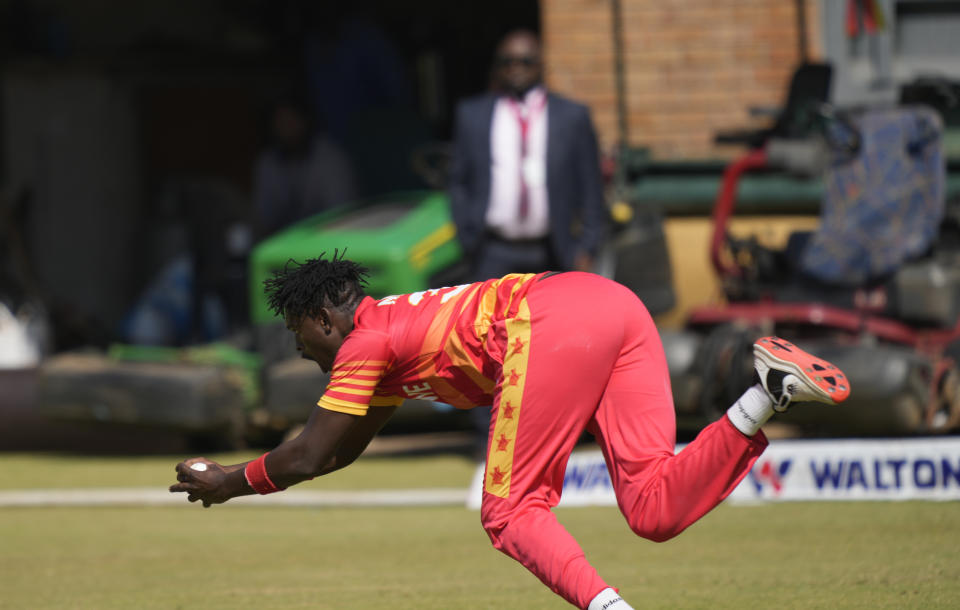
210,486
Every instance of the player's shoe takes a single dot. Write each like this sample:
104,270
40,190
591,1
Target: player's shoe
789,374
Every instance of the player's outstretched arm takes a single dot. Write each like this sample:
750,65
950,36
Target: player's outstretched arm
358,438
328,442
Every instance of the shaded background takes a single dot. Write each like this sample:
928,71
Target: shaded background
118,116
129,131
121,120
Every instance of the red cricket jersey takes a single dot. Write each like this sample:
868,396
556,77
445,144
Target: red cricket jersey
430,345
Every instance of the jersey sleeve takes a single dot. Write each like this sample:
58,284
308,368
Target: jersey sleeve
358,368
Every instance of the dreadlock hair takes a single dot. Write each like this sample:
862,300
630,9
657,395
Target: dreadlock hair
301,290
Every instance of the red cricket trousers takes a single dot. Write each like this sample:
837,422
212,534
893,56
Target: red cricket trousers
584,354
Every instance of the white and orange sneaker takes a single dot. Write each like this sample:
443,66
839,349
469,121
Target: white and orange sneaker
789,374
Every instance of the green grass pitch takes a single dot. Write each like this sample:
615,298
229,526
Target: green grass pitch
801,555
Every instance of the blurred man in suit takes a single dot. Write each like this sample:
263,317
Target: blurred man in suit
525,183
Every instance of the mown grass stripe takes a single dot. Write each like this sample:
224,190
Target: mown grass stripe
150,496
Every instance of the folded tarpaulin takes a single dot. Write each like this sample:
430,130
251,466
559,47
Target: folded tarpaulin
883,196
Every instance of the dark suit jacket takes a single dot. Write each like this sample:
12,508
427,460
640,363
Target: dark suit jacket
574,185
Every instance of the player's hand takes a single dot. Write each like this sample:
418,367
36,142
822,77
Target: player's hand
208,486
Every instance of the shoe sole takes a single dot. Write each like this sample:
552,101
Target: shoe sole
826,380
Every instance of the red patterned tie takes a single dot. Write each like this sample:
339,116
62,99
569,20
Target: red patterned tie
523,118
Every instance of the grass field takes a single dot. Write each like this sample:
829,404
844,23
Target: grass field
805,555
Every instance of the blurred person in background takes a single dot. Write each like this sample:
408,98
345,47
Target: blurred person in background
525,181
301,172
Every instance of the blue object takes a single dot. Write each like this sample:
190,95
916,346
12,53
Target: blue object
883,195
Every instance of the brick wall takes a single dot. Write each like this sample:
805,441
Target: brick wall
693,67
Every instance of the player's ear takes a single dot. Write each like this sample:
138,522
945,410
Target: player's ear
325,319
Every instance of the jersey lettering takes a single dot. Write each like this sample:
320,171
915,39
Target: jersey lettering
422,391
456,290
417,297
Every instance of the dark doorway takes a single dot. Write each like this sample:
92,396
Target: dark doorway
160,117
384,77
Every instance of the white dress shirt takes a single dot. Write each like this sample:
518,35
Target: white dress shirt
508,171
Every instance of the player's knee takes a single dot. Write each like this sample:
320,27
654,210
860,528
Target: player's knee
660,535
494,524
504,521
655,532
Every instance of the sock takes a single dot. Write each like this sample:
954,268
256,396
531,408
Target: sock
608,599
751,410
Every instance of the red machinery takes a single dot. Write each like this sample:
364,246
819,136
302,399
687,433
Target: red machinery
896,334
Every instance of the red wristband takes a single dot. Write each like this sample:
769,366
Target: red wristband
256,474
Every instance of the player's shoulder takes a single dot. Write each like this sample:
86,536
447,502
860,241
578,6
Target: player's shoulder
369,340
